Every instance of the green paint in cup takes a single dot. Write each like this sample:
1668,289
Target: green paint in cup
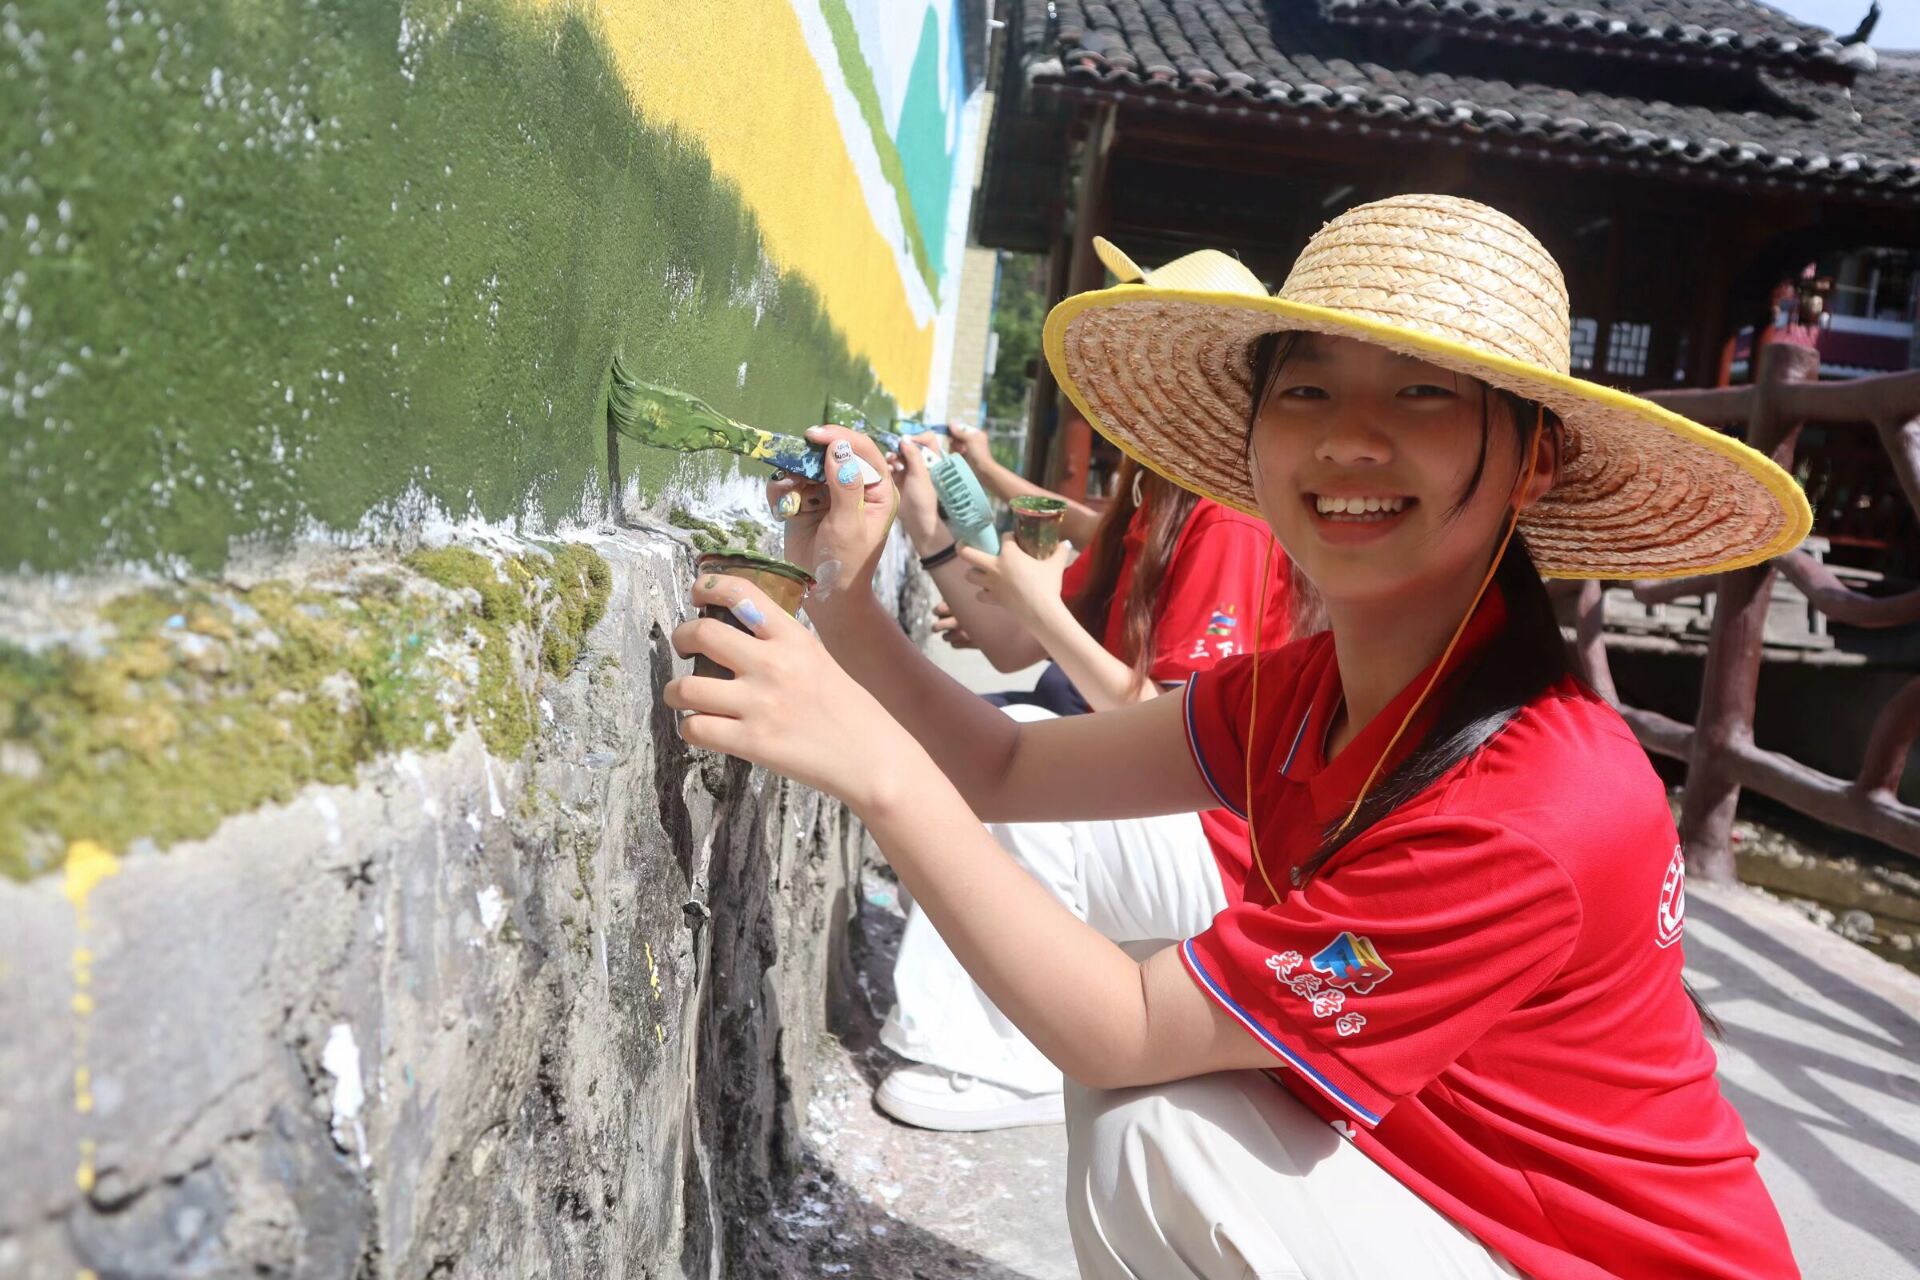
786,584
1036,524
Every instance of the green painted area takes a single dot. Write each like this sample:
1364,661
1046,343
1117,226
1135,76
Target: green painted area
708,536
207,701
859,80
268,267
922,139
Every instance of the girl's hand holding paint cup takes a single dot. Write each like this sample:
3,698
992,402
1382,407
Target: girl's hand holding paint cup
835,530
1015,581
788,706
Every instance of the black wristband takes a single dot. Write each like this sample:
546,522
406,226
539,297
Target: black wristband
938,558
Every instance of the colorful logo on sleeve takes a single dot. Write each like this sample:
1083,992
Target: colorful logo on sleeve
1217,641
1351,963
1670,918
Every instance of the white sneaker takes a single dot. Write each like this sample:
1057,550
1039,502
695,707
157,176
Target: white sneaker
931,1098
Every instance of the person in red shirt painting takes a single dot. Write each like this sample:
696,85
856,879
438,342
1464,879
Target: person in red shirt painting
1444,1032
1166,587
1197,566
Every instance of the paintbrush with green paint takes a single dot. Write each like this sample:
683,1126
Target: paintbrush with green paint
669,419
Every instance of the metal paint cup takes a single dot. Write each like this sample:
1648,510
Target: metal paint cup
1036,524
786,584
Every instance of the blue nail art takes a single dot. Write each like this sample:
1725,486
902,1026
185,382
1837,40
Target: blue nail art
749,612
849,472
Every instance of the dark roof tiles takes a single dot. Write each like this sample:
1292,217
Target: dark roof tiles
1744,29
1289,57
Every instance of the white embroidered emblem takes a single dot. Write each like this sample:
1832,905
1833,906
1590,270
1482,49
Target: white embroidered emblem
1670,917
1350,1023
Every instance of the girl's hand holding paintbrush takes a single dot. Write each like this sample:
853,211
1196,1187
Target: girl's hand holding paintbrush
840,550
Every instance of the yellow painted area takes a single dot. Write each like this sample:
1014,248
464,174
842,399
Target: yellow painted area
653,974
660,1033
87,864
737,76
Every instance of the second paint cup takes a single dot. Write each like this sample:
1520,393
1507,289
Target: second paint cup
787,585
1036,524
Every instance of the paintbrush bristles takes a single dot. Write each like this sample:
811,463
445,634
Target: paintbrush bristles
667,419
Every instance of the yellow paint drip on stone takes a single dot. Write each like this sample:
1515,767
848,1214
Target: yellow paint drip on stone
653,974
87,864
737,76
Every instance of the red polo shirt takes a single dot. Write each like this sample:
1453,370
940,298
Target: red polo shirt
1209,593
1484,987
1205,614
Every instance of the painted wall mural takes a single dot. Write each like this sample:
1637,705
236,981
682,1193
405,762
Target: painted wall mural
276,271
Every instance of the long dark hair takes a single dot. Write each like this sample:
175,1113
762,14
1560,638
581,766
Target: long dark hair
1524,659
1167,506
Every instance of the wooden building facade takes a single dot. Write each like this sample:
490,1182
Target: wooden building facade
1678,157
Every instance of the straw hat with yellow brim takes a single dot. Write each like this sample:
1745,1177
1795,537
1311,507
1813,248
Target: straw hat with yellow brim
1160,365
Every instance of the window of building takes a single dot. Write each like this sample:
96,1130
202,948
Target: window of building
1627,343
1585,335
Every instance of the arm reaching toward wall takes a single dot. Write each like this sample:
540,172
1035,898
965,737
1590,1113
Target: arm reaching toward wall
1103,1018
1071,768
1028,590
998,634
1007,485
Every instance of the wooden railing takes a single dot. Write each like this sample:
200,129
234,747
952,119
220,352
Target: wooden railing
1719,747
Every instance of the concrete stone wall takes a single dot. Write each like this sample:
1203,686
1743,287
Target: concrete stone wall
460,1015
361,912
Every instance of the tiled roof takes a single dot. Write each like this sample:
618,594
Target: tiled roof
1669,30
1286,59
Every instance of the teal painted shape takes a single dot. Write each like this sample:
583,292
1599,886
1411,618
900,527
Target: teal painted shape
921,138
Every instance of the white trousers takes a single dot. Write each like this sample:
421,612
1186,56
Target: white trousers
1219,1177
1136,880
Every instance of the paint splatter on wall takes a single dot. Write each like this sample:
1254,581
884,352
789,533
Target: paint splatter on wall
366,261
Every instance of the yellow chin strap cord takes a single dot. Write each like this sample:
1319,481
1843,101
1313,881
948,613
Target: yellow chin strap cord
1253,694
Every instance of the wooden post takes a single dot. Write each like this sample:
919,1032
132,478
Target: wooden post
1072,445
1724,726
1590,641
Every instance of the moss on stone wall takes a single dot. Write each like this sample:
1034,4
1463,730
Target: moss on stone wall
267,266
206,701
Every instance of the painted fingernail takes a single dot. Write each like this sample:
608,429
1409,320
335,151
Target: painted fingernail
749,613
787,505
711,582
849,473
842,450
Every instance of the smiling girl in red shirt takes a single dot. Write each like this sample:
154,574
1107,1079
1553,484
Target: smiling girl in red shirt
1445,1032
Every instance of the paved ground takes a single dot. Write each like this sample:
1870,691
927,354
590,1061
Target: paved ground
1822,1057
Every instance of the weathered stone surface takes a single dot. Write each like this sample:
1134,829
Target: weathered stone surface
579,992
